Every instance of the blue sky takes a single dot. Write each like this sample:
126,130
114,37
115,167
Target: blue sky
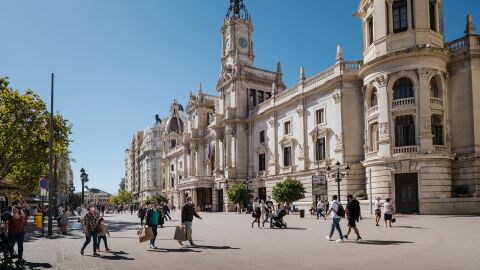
117,63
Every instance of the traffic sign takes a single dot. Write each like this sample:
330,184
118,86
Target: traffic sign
319,179
42,183
43,192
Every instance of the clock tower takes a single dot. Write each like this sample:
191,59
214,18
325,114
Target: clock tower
237,32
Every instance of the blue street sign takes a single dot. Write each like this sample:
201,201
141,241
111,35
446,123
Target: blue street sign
42,183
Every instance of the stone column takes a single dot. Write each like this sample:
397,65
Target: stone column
217,153
424,126
229,138
384,142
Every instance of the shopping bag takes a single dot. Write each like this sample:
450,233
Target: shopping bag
145,234
180,233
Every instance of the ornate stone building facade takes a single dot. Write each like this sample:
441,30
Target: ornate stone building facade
405,118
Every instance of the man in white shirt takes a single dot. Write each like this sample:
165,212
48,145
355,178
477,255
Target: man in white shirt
320,206
334,209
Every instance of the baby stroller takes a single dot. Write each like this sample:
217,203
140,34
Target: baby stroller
276,221
7,254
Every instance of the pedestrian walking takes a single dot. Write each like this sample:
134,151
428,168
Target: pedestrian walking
320,209
17,225
389,212
378,211
153,220
131,209
166,211
256,214
141,214
90,222
337,212
354,215
187,214
63,221
102,235
268,210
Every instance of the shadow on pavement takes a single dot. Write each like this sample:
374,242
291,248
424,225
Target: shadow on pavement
212,247
31,266
381,242
409,227
294,228
116,256
182,250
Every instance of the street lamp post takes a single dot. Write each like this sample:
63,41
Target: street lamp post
84,178
338,175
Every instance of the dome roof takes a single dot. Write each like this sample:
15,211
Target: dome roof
174,124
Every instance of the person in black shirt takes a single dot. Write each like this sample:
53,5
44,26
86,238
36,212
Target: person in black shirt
188,211
354,215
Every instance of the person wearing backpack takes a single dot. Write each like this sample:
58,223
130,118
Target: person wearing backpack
141,214
353,215
337,212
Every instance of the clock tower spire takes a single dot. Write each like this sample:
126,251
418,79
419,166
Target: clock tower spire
237,32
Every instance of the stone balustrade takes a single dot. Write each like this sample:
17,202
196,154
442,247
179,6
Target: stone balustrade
371,154
260,73
372,110
320,76
405,149
351,65
440,148
403,102
436,101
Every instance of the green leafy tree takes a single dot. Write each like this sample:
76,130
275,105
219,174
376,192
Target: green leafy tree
288,191
159,198
24,138
125,197
149,201
239,194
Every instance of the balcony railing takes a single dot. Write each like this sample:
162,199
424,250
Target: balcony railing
457,45
403,102
371,154
440,148
405,149
436,101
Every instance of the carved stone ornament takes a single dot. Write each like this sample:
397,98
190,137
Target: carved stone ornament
338,142
384,128
300,111
319,132
287,140
427,123
424,74
262,148
381,80
270,122
337,96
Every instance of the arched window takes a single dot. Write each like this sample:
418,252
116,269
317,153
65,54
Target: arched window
434,91
403,88
373,98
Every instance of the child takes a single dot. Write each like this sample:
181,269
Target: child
103,235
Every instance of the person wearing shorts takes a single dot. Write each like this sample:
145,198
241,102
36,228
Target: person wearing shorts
378,211
353,215
389,212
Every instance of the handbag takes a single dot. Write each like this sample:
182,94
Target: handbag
145,234
180,233
393,219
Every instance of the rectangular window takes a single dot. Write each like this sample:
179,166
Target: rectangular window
320,149
404,131
374,137
437,130
433,15
370,30
171,168
268,95
286,128
387,15
253,97
400,16
262,136
173,182
320,116
261,162
287,156
260,97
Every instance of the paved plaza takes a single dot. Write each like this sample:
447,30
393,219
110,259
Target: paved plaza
226,241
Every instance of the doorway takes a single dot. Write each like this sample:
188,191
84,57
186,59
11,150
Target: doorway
406,193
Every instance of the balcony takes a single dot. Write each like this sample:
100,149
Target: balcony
403,102
198,133
371,154
372,111
440,148
405,149
436,101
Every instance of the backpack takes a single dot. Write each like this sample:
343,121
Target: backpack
341,211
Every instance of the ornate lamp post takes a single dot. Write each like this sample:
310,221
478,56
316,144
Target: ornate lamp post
338,175
84,178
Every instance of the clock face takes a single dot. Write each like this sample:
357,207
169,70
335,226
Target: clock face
242,42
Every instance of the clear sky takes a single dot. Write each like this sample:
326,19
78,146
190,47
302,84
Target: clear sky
117,63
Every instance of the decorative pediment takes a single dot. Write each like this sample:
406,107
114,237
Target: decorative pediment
287,140
319,132
262,148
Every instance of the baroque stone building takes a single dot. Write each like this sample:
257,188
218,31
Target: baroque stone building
405,118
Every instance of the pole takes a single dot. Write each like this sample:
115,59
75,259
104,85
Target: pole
83,192
43,211
50,175
338,183
370,195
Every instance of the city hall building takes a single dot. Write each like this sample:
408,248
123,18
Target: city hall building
405,118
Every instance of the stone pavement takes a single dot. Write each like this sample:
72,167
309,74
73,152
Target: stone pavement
226,241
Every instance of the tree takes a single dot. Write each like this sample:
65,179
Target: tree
113,200
159,198
24,138
288,191
125,197
122,184
239,194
